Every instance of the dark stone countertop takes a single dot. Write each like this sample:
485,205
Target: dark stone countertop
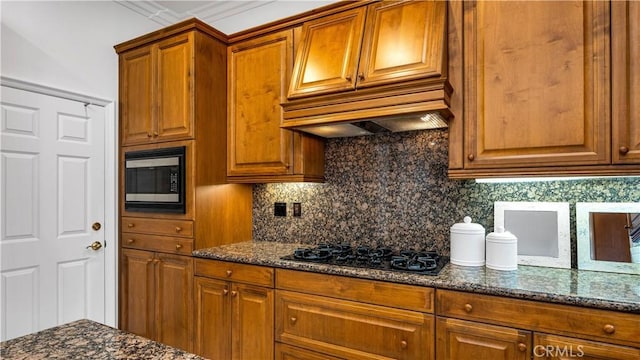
601,290
86,339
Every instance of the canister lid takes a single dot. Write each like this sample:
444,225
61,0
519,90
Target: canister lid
467,226
502,235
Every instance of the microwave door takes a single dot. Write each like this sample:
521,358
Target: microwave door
153,180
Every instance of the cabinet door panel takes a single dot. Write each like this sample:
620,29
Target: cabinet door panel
402,41
252,328
258,77
136,95
550,347
174,301
137,292
328,56
537,83
626,81
213,319
175,88
458,339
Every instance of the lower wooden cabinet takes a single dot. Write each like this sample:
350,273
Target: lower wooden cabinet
233,320
549,347
286,352
459,339
156,296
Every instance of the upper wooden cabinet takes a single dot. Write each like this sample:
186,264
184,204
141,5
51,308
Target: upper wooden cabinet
259,150
373,60
398,41
625,35
536,97
156,92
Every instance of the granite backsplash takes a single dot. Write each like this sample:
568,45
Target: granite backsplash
393,190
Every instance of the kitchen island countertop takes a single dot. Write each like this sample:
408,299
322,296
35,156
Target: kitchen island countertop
86,339
601,290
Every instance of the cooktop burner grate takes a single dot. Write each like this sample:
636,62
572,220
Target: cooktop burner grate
384,258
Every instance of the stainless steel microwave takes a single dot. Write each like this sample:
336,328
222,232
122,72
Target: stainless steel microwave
155,180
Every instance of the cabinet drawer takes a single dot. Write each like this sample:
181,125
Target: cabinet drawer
168,244
250,274
286,352
559,347
182,228
610,326
352,330
374,292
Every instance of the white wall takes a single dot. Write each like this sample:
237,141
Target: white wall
67,44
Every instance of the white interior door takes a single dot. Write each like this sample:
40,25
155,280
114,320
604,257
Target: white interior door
52,192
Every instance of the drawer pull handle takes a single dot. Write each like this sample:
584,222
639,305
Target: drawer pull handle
522,347
130,241
155,133
293,319
131,225
471,157
609,329
178,246
229,272
348,78
403,344
178,229
225,292
624,150
468,308
234,293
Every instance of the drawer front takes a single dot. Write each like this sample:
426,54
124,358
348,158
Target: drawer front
167,244
352,330
168,227
373,292
609,326
250,274
286,352
559,347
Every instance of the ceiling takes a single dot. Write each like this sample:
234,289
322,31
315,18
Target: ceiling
228,16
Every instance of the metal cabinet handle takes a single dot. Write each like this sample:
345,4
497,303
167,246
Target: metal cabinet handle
178,229
130,225
225,292
468,308
609,329
178,246
229,272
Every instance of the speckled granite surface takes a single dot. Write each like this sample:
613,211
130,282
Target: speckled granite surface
602,290
393,190
85,339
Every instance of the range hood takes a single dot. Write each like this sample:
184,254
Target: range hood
410,107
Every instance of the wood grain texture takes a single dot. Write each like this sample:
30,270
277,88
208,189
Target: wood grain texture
458,339
560,347
137,292
167,244
287,352
455,75
180,228
213,318
242,273
538,316
536,94
253,315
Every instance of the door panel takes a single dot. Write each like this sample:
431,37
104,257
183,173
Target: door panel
136,96
213,319
52,191
252,329
137,292
174,301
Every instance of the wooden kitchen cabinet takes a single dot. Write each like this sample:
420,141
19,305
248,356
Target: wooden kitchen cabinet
234,311
560,347
156,296
156,91
471,322
378,44
259,149
625,37
458,339
361,319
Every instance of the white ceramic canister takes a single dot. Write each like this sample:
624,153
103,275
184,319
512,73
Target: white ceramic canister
467,243
502,250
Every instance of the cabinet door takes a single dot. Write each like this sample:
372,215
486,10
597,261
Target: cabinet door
213,319
257,83
402,41
558,347
536,83
252,326
175,88
625,37
137,292
328,56
174,301
136,96
458,339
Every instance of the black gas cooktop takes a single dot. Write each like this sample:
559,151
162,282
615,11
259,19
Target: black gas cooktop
420,262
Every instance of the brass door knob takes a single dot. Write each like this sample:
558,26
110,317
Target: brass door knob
97,245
